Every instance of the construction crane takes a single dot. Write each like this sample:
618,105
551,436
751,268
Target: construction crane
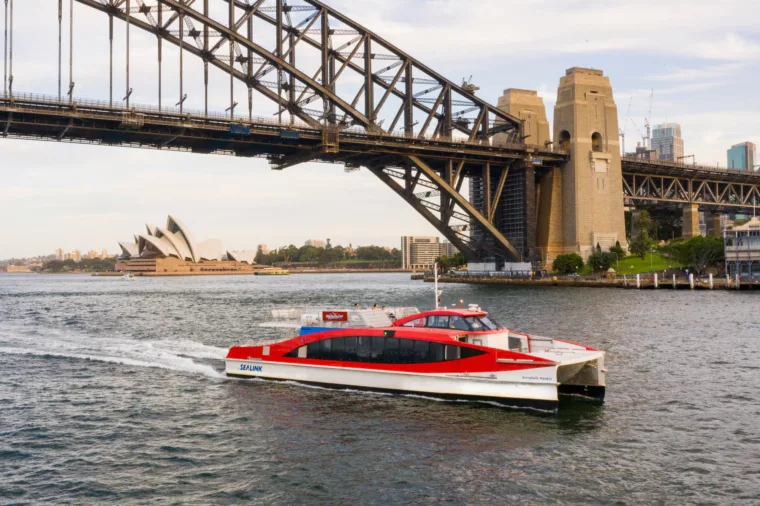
647,125
621,131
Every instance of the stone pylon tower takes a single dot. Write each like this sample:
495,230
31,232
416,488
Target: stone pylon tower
586,124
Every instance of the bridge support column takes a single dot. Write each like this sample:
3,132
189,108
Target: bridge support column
549,216
586,124
713,226
691,221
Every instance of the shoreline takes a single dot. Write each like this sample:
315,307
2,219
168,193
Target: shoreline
648,284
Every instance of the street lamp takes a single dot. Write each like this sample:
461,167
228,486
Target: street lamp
650,259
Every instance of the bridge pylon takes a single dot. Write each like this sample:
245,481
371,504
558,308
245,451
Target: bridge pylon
586,125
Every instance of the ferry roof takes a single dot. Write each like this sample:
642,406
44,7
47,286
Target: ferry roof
464,313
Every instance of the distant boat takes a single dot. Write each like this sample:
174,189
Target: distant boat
128,276
273,271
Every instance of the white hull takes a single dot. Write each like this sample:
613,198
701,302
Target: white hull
538,385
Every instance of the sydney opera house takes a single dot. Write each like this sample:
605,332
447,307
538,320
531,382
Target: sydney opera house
173,250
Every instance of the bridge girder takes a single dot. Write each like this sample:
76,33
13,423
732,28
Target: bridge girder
291,75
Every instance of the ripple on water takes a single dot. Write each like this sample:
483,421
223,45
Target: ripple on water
113,392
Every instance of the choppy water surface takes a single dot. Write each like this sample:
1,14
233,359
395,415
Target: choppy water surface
112,391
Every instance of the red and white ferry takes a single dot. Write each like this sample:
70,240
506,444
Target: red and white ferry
444,353
493,364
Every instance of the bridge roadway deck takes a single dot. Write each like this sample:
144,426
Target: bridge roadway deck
91,122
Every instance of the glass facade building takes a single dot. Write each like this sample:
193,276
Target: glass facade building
742,156
667,140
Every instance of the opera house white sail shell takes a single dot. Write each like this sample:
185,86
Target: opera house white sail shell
173,250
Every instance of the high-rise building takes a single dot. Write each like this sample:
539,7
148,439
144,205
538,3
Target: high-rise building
104,253
92,254
420,252
667,140
59,255
317,243
264,249
76,255
742,156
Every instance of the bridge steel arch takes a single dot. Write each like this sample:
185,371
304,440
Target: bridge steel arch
421,134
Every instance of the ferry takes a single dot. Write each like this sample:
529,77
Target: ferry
455,354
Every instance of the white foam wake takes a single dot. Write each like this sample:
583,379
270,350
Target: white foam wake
174,355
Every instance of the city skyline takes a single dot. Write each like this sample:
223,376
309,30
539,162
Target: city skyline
701,69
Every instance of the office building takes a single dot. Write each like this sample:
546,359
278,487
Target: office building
59,254
104,253
317,243
742,156
92,254
667,140
76,255
420,252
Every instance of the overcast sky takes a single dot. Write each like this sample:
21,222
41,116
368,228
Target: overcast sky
701,57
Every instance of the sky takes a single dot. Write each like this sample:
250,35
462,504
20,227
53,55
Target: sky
697,62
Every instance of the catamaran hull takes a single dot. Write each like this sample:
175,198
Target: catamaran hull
533,388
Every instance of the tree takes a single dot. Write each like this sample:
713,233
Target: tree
601,261
458,259
618,250
700,253
567,264
444,263
642,242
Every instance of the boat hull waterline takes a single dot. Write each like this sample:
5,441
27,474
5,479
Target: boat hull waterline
494,387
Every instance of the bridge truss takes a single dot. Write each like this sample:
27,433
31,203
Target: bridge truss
340,94
668,184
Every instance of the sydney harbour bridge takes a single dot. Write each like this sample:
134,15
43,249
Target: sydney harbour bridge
337,92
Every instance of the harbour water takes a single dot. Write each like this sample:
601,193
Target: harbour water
112,391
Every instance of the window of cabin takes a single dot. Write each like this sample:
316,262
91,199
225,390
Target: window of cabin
382,350
438,322
419,322
458,323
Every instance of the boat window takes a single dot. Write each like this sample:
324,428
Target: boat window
390,353
421,352
378,345
457,322
293,353
406,351
419,322
474,323
364,349
489,323
382,350
438,322
338,347
312,349
470,352
436,353
452,352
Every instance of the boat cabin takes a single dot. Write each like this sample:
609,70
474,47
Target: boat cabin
476,326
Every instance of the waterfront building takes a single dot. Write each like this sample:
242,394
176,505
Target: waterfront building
317,243
742,243
59,255
742,156
667,140
173,250
420,252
